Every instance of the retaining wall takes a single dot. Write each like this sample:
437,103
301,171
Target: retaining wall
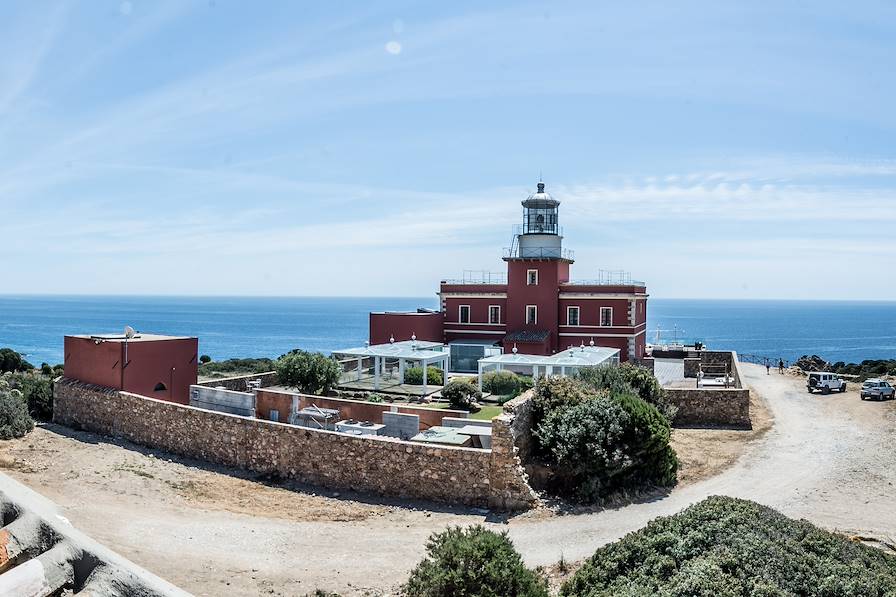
721,407
381,465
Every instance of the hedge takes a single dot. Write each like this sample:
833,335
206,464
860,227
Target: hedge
414,376
461,393
625,378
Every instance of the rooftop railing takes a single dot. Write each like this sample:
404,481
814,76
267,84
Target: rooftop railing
609,278
479,277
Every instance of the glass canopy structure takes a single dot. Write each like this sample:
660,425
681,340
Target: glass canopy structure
415,352
563,363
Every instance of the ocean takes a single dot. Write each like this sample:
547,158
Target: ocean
268,327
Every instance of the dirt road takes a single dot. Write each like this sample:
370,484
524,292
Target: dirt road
829,459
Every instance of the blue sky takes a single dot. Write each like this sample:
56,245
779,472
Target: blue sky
718,150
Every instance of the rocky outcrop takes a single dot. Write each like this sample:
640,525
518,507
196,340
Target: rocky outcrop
812,363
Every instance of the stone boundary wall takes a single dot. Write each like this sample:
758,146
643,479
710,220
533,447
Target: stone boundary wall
238,383
511,448
381,465
715,407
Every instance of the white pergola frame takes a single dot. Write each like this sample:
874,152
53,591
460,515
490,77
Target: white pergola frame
409,351
557,364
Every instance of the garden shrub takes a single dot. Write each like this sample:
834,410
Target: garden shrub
205,359
14,418
473,562
726,546
627,377
461,394
375,398
502,383
309,372
11,361
414,376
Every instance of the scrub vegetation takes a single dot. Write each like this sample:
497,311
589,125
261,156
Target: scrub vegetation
730,548
461,394
473,562
234,367
505,383
598,440
11,361
14,418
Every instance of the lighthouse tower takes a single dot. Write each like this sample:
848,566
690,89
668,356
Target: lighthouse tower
537,264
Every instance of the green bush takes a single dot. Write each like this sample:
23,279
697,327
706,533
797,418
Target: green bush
14,418
205,359
502,383
10,360
45,369
376,398
597,442
473,562
37,391
725,546
620,379
414,376
461,394
310,372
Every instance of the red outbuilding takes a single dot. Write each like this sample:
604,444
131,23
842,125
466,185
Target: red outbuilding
535,306
160,367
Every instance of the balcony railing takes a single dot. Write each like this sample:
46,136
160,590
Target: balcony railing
517,252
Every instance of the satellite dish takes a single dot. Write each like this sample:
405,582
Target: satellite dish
129,332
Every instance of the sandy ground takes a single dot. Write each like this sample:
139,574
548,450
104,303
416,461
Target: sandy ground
217,531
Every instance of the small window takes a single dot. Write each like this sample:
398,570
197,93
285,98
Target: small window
494,314
160,387
531,314
606,316
275,415
572,316
532,277
463,315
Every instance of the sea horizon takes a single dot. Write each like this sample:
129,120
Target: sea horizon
268,326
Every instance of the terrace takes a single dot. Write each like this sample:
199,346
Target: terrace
382,367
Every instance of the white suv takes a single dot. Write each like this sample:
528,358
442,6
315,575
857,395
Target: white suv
825,382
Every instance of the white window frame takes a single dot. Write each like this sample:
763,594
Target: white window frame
529,281
490,307
535,322
460,309
601,314
578,311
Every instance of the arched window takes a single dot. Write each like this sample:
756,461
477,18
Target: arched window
160,387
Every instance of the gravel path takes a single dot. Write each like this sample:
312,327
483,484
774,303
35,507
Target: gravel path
829,459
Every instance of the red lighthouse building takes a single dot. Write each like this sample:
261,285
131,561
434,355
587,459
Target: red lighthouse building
535,306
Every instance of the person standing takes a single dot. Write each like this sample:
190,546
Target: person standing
768,367
781,366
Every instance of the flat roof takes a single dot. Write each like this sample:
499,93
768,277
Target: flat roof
406,349
583,356
139,337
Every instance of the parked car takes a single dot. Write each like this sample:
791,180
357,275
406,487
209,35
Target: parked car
825,382
877,389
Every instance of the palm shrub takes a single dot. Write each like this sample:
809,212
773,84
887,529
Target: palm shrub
14,418
414,376
461,393
309,372
619,379
473,562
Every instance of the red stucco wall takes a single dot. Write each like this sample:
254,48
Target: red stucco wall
426,326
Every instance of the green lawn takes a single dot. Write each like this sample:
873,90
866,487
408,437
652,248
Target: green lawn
487,412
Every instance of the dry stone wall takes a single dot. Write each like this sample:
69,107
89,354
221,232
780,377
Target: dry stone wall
722,407
380,465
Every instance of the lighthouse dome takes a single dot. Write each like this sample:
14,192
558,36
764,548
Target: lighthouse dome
540,199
